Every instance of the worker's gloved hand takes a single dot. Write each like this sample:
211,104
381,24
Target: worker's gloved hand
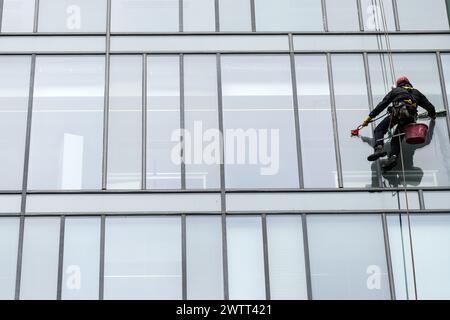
433,117
366,121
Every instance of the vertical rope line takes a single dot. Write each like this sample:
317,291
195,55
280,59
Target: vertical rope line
393,75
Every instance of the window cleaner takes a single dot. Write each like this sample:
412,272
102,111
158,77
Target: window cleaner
403,111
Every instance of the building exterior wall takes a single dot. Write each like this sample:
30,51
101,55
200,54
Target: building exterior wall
264,195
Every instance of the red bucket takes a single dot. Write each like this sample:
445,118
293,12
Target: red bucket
416,133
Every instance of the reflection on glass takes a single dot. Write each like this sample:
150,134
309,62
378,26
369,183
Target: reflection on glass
201,122
259,122
286,257
423,15
348,259
144,15
72,16
143,258
9,240
81,259
199,15
245,258
235,15
204,258
125,123
352,106
163,121
40,259
318,153
18,16
288,15
426,165
342,15
67,127
14,89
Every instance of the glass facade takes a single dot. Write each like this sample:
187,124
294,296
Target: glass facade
201,149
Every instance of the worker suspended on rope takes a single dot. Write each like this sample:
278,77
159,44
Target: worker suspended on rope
404,99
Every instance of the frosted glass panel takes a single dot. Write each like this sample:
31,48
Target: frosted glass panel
318,153
14,89
288,15
431,244
81,259
245,258
72,16
286,258
199,15
9,240
342,15
144,15
423,15
67,127
163,119
143,258
125,123
18,16
348,259
235,15
40,259
204,258
201,122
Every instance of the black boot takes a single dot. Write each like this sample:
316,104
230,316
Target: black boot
379,153
390,163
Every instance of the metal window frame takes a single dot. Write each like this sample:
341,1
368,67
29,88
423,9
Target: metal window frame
223,190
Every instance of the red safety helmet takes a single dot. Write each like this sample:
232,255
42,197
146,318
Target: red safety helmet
402,80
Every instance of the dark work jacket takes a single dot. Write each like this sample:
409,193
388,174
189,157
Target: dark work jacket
399,94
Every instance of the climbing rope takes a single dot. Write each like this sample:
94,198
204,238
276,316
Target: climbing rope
393,77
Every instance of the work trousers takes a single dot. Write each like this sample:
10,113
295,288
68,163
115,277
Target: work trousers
383,127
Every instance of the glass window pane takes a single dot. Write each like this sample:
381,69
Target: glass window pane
286,258
260,145
289,15
125,123
431,243
426,164
372,12
81,258
18,16
143,258
40,259
423,15
14,89
342,15
432,266
163,121
202,135
352,106
318,153
401,257
245,258
9,240
122,203
446,67
144,15
67,128
199,15
204,258
348,259
205,43
54,44
72,16
235,15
